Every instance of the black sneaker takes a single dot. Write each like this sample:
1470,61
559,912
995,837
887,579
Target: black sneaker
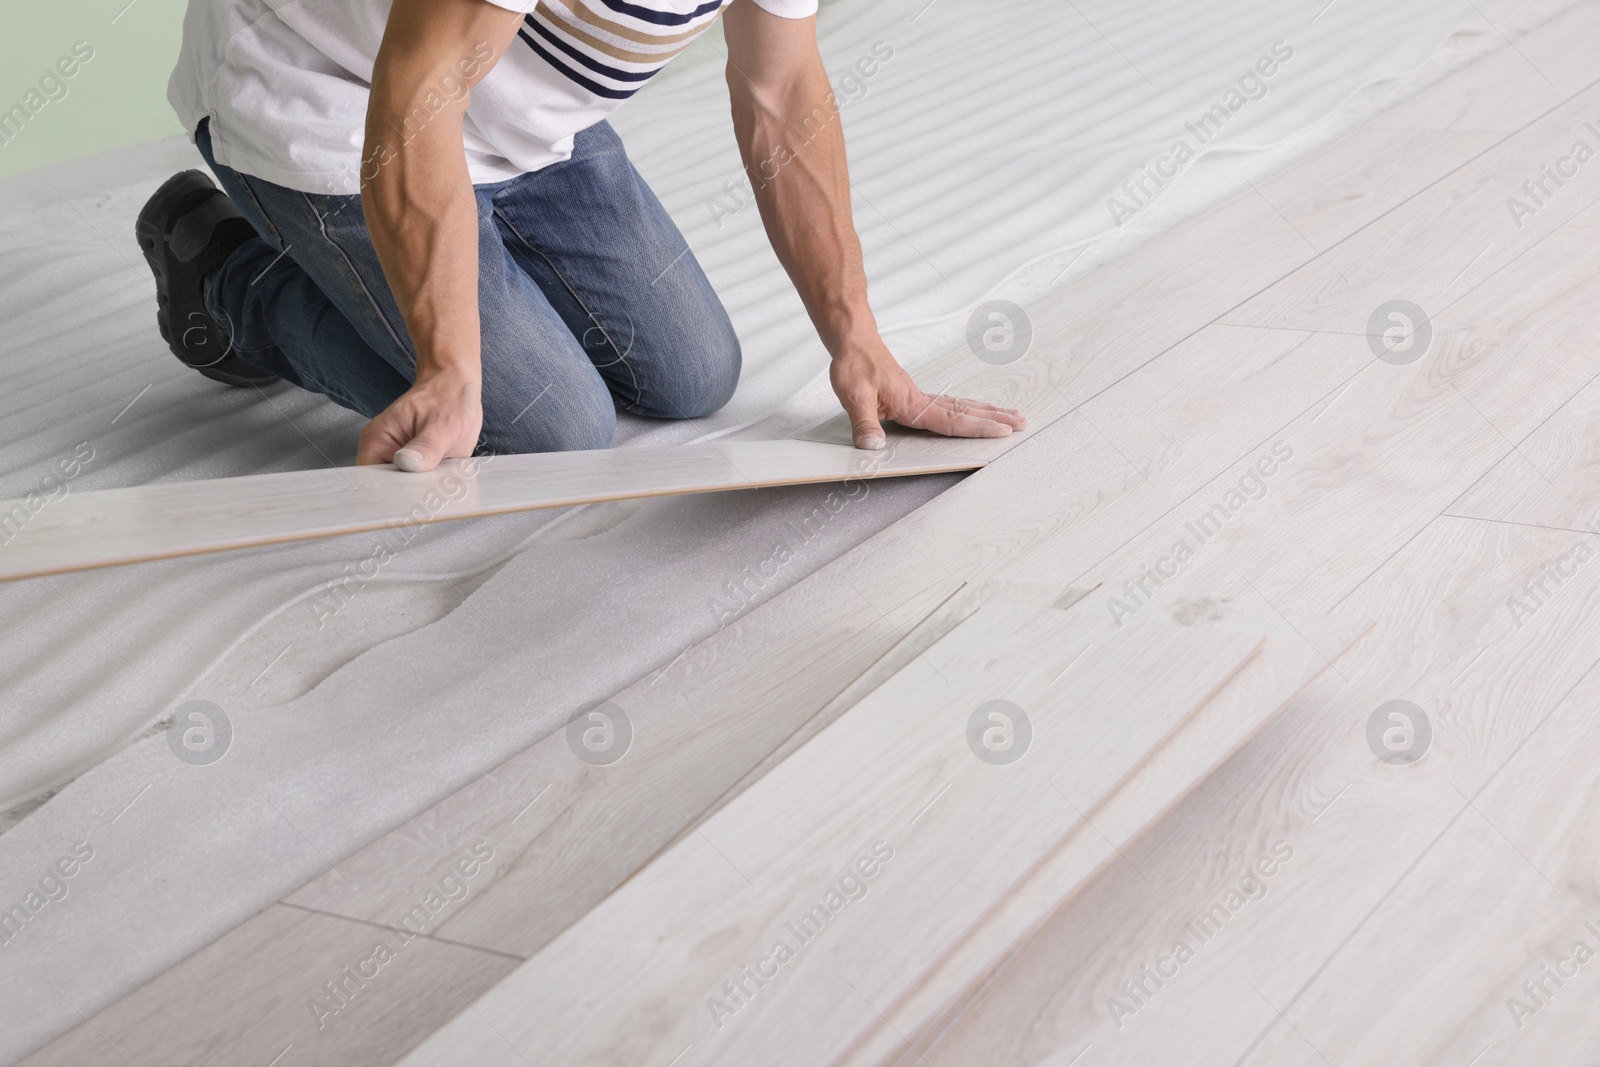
187,228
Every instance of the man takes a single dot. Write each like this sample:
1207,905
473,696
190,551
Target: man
425,216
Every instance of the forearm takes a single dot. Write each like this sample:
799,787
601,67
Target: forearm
793,148
787,124
417,195
419,211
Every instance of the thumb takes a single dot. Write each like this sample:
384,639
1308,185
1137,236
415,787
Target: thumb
422,453
865,429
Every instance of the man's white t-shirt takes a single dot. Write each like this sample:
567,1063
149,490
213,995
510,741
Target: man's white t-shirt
285,82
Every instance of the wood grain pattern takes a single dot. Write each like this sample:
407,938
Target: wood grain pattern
78,531
1196,747
1500,900
1433,248
1321,201
293,955
1513,369
1356,827
1548,479
1403,442
896,767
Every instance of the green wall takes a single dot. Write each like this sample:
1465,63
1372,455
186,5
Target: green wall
117,98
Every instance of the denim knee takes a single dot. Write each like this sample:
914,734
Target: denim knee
719,375
555,426
698,373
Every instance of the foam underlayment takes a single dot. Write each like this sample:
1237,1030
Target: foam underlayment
983,150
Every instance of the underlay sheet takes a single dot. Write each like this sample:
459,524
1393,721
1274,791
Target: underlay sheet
988,139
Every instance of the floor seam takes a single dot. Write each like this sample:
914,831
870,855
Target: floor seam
386,926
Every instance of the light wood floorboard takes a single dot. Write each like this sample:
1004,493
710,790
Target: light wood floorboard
1356,825
1514,371
896,768
320,990
1435,247
79,531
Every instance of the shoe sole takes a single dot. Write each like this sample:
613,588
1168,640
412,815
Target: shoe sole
150,231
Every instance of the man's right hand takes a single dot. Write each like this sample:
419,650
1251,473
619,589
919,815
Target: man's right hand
438,418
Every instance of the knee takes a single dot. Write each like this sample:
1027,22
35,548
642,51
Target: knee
718,377
551,424
706,373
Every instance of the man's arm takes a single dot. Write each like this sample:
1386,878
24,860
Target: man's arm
781,98
418,201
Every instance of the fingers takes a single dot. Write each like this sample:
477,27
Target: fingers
982,409
953,424
958,417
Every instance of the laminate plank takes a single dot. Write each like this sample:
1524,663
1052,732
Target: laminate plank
1381,457
1500,900
1518,347
1549,479
1437,246
1502,877
1372,171
1100,329
79,531
1355,826
1250,700
651,954
1512,387
1587,219
322,990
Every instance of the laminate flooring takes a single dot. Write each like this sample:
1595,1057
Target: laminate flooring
1235,537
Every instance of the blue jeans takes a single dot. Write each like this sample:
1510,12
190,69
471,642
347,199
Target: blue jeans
588,295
